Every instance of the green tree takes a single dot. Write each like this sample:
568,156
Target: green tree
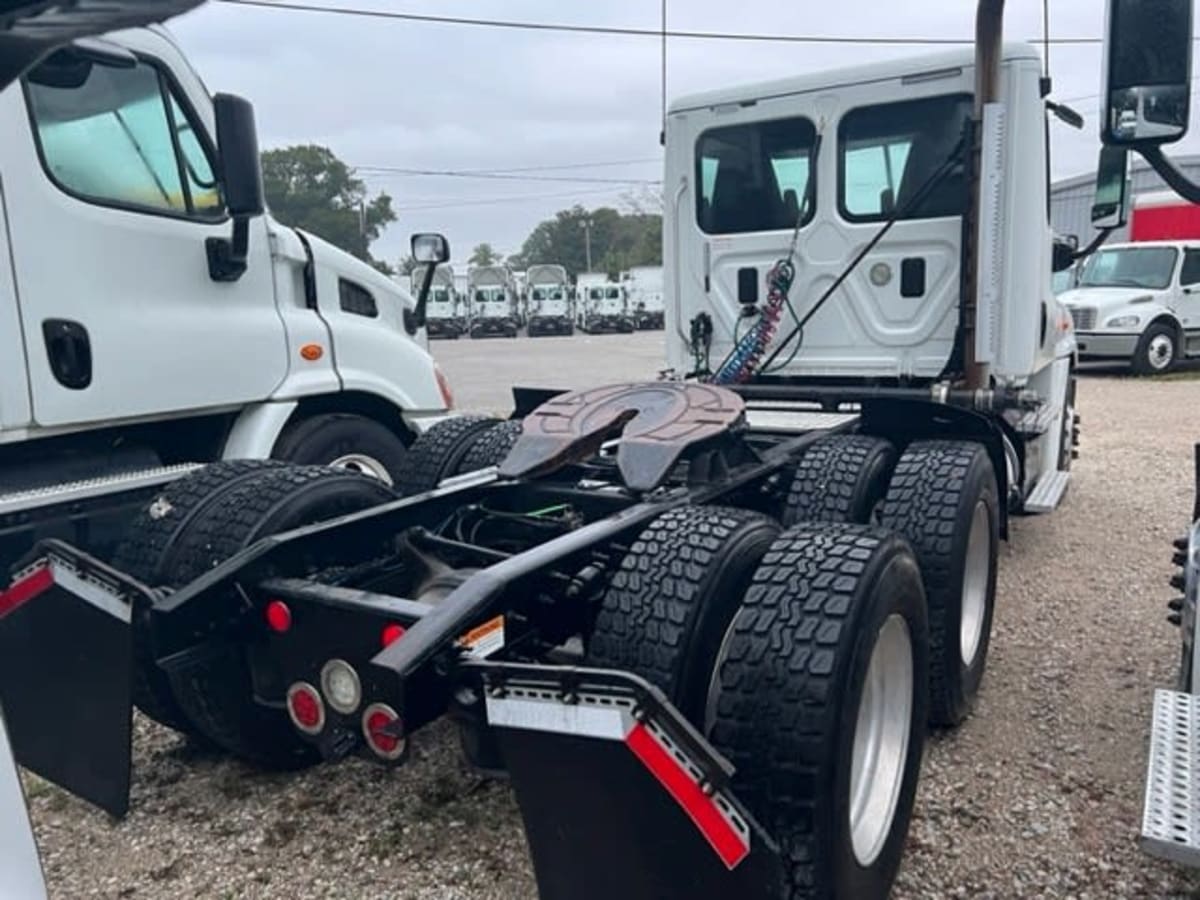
309,187
484,255
618,240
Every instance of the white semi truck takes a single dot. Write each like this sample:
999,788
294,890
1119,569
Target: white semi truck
445,316
601,304
549,301
494,302
620,593
644,285
189,326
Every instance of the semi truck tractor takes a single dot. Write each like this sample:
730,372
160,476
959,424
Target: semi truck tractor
603,305
445,316
644,285
549,301
190,326
494,302
702,623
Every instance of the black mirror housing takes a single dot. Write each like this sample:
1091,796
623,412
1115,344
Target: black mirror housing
430,249
1110,208
1147,72
241,169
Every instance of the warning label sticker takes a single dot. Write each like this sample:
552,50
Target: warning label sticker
484,640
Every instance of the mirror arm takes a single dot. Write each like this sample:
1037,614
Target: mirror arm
1097,242
227,257
1176,180
414,320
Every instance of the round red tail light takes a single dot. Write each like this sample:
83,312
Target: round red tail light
392,633
305,707
377,717
279,616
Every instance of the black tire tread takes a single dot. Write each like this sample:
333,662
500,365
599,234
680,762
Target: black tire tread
829,481
492,447
922,504
649,615
438,452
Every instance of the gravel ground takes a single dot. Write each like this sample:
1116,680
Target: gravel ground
1037,796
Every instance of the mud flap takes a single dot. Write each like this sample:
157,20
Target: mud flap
620,796
66,650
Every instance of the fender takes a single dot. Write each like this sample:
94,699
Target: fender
256,430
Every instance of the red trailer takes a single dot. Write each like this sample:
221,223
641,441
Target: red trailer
1164,216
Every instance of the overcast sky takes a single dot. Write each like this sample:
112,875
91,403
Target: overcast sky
431,96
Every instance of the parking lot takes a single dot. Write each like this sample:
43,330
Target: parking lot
1039,795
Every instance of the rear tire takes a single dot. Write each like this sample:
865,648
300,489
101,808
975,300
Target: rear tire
943,499
213,686
841,478
146,553
438,453
822,671
344,441
671,601
492,446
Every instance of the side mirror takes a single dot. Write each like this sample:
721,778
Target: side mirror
429,250
1111,206
237,143
241,182
1147,72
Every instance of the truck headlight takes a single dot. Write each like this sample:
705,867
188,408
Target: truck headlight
1122,322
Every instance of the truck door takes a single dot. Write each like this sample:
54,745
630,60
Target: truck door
1187,305
895,313
112,195
14,383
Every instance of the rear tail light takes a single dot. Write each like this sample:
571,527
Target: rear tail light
305,707
341,687
385,745
279,616
392,632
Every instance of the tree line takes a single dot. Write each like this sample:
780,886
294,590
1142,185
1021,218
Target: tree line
307,186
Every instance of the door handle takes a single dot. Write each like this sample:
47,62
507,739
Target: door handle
69,350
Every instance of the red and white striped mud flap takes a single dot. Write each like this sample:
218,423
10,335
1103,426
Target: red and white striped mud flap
621,797
65,672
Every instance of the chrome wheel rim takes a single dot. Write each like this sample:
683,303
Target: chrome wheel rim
364,465
1161,352
881,737
976,570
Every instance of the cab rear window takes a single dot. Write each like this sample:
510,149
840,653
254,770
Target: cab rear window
754,177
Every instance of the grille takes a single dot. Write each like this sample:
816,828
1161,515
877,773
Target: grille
1084,317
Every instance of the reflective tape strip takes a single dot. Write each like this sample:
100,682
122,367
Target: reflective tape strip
31,583
557,718
731,846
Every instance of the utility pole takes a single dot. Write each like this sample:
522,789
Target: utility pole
586,225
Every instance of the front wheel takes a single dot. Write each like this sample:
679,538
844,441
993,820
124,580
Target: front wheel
1157,351
820,704
343,441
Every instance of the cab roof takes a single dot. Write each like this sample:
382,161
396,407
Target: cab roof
833,78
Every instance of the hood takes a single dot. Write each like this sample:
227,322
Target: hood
1104,297
336,260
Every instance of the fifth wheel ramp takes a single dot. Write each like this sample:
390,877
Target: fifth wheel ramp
620,796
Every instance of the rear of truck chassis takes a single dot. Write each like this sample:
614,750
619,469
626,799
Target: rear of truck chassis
705,653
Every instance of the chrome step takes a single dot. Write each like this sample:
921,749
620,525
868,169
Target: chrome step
1171,813
76,491
1049,492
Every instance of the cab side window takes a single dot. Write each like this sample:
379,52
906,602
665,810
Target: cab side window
1190,273
119,136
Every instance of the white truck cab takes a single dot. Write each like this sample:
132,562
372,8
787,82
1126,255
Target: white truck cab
174,322
549,301
857,177
494,302
1139,302
444,317
644,285
603,304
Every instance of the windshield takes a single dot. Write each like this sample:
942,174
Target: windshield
1137,267
596,294
439,295
490,295
614,294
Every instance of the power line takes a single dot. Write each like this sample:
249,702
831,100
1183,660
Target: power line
497,176
656,33
564,166
497,201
